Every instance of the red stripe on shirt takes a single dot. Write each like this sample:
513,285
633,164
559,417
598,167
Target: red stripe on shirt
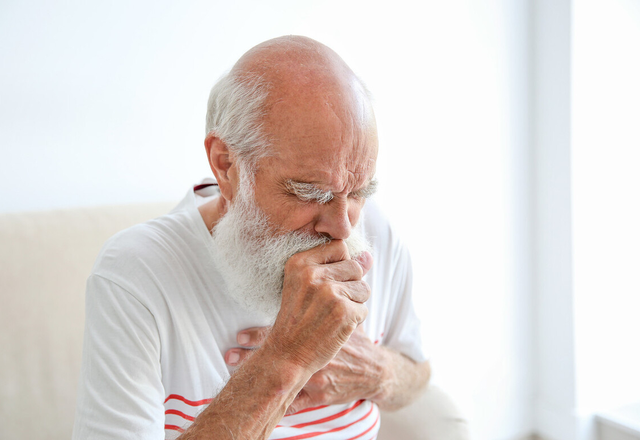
174,427
180,413
306,410
339,428
187,401
327,419
369,429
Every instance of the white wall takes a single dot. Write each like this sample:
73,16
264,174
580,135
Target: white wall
586,62
606,200
472,214
554,302
105,104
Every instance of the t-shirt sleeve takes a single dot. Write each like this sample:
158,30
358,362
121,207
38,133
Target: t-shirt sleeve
120,391
403,333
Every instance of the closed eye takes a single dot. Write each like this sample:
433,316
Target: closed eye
367,191
308,192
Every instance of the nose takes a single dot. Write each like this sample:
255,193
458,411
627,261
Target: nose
333,220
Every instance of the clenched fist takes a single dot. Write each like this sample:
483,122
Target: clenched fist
323,300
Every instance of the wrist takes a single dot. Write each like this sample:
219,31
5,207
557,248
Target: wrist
285,377
253,401
386,377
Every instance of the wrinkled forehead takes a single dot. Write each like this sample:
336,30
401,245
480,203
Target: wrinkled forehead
310,109
320,140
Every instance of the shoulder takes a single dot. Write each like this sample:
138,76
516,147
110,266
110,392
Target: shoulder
149,250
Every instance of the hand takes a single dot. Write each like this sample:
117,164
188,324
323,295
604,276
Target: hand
323,300
356,372
345,269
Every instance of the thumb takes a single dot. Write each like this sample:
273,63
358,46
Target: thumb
365,260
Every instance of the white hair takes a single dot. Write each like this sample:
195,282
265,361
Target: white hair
235,111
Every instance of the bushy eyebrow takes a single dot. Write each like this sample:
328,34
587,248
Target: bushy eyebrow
309,192
368,190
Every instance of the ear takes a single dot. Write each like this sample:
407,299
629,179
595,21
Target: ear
222,163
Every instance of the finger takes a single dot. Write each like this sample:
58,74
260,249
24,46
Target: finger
302,401
237,356
346,270
253,337
334,251
358,314
365,259
357,291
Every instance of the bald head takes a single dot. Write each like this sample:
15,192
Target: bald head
291,51
293,64
279,81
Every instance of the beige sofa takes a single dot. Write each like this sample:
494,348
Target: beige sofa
45,258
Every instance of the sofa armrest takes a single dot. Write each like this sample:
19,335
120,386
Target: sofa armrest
433,416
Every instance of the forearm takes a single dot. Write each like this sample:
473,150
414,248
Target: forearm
253,401
402,380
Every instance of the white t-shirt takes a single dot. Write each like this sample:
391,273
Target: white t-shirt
158,323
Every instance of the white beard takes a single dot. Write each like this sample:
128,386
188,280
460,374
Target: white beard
251,255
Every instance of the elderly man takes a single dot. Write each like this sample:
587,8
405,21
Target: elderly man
258,308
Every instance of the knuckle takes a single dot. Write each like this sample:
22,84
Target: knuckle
295,261
364,312
320,381
340,310
330,292
264,332
258,336
308,275
342,245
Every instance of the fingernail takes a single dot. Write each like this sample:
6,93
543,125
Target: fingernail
233,358
243,339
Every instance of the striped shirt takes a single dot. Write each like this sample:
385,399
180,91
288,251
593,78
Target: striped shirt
357,420
158,325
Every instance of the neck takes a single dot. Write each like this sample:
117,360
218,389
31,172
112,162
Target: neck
213,211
